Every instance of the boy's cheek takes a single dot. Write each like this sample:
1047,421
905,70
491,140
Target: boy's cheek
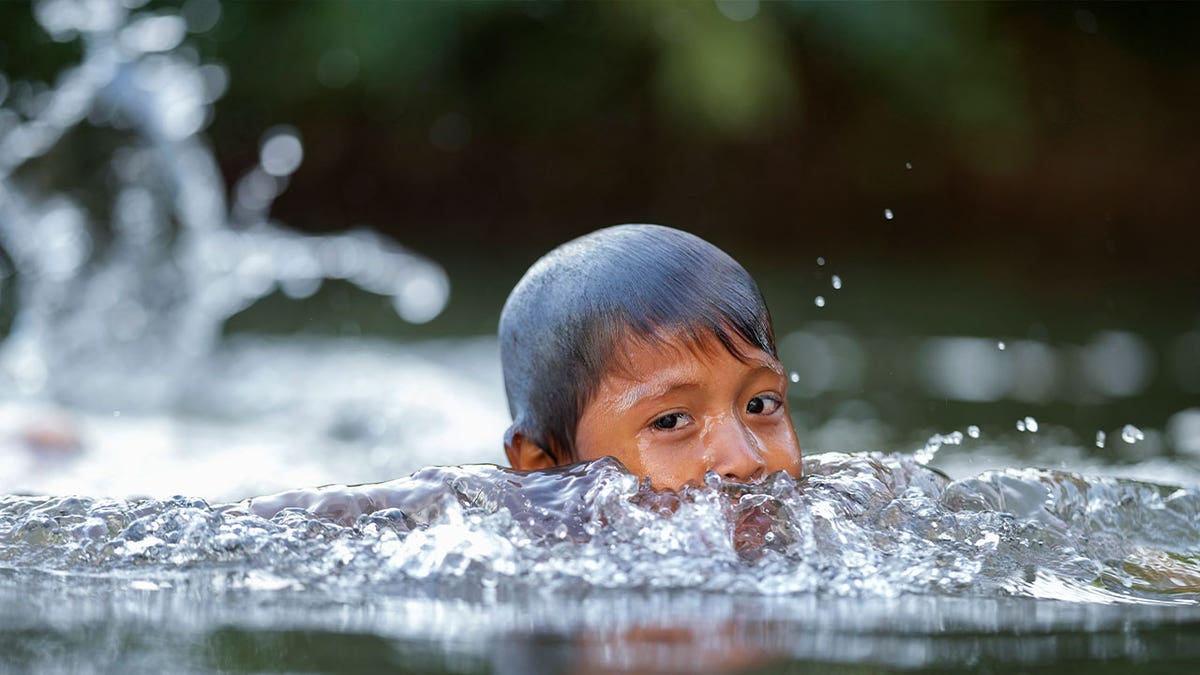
785,452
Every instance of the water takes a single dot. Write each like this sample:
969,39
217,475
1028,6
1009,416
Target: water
855,525
119,300
475,566
121,388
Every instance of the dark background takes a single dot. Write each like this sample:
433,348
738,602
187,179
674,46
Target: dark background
1049,143
1042,137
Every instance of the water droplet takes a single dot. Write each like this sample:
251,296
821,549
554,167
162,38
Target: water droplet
908,165
973,431
1131,434
1001,346
935,443
927,453
837,283
422,297
1100,438
1031,425
1020,425
887,213
820,261
281,152
795,377
819,301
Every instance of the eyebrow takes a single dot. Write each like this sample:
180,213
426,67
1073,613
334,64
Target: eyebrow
641,392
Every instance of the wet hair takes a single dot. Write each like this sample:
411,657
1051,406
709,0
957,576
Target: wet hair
567,316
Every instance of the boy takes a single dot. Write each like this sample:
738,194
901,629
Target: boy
650,345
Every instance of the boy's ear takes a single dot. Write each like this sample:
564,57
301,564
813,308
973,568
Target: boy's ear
525,455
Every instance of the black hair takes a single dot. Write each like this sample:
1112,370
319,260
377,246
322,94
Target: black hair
567,315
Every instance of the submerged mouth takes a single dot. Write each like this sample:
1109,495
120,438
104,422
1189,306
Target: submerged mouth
856,525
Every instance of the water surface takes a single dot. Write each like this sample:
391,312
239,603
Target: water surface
868,559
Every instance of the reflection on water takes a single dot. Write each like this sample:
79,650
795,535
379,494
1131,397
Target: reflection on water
596,632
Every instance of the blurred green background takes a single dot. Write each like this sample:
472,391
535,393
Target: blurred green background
1042,137
1009,172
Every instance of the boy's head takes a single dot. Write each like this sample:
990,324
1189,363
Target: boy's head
651,345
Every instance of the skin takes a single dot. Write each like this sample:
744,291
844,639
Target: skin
673,411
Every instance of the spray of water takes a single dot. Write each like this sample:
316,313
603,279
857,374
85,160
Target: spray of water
117,303
854,526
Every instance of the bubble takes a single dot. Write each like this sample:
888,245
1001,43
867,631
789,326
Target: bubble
1020,425
794,377
837,283
820,261
281,152
1100,438
887,213
973,431
819,301
1031,425
1131,434
908,166
1001,346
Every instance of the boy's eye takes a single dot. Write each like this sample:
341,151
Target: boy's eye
763,405
671,421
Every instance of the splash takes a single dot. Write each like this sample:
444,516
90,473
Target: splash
855,526
120,297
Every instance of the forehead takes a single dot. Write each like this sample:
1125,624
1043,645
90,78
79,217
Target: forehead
639,358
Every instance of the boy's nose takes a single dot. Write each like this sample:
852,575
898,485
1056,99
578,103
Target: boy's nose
734,451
